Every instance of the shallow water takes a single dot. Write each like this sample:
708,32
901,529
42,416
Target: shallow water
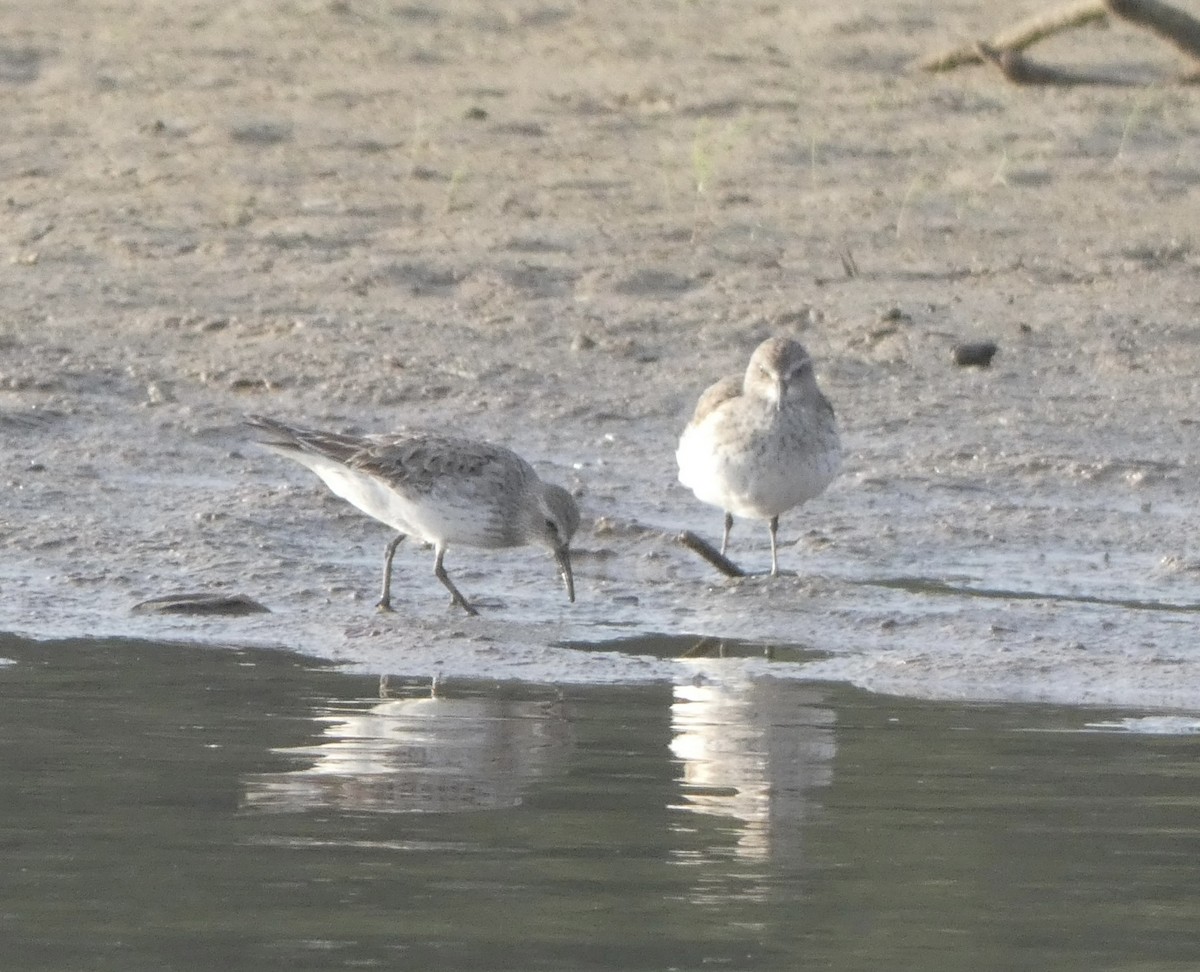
189,808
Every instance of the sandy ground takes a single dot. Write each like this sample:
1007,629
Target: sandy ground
551,225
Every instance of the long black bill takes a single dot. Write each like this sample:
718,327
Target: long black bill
563,556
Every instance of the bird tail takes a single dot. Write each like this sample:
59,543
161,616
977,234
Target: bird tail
292,439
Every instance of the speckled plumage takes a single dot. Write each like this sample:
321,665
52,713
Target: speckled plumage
761,444
441,489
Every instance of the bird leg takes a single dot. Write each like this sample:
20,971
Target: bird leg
385,599
440,573
725,536
774,541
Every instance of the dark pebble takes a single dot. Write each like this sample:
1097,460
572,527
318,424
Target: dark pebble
896,315
974,354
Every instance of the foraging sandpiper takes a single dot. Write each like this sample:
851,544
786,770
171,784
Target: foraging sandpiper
761,444
438,488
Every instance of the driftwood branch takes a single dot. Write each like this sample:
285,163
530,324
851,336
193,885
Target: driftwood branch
1004,51
1021,35
1170,23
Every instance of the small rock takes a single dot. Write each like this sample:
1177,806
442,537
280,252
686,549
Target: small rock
583,342
261,133
251,384
607,526
800,318
225,605
974,354
158,393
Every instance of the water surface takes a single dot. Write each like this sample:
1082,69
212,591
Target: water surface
166,807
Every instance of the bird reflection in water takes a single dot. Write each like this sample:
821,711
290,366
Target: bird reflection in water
430,754
754,752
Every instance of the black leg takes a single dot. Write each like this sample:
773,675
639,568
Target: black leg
725,536
440,573
385,599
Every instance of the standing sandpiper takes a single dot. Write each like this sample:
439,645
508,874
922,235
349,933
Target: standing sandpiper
438,488
759,445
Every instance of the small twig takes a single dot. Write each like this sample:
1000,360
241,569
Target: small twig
710,553
908,194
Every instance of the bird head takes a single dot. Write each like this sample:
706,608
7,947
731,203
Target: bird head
780,368
558,519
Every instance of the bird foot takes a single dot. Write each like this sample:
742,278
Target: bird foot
465,605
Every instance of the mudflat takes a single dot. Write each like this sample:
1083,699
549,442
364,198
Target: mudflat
551,225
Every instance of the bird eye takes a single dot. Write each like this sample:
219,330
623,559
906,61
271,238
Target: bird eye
552,527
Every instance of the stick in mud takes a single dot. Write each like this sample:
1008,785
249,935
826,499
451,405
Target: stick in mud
710,553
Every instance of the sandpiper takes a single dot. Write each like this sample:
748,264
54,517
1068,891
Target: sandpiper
441,489
759,445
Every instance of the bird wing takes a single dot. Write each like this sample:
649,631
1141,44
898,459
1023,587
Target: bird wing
423,462
716,395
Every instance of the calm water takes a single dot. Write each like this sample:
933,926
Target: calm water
182,808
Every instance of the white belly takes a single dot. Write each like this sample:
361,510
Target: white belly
441,516
757,475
